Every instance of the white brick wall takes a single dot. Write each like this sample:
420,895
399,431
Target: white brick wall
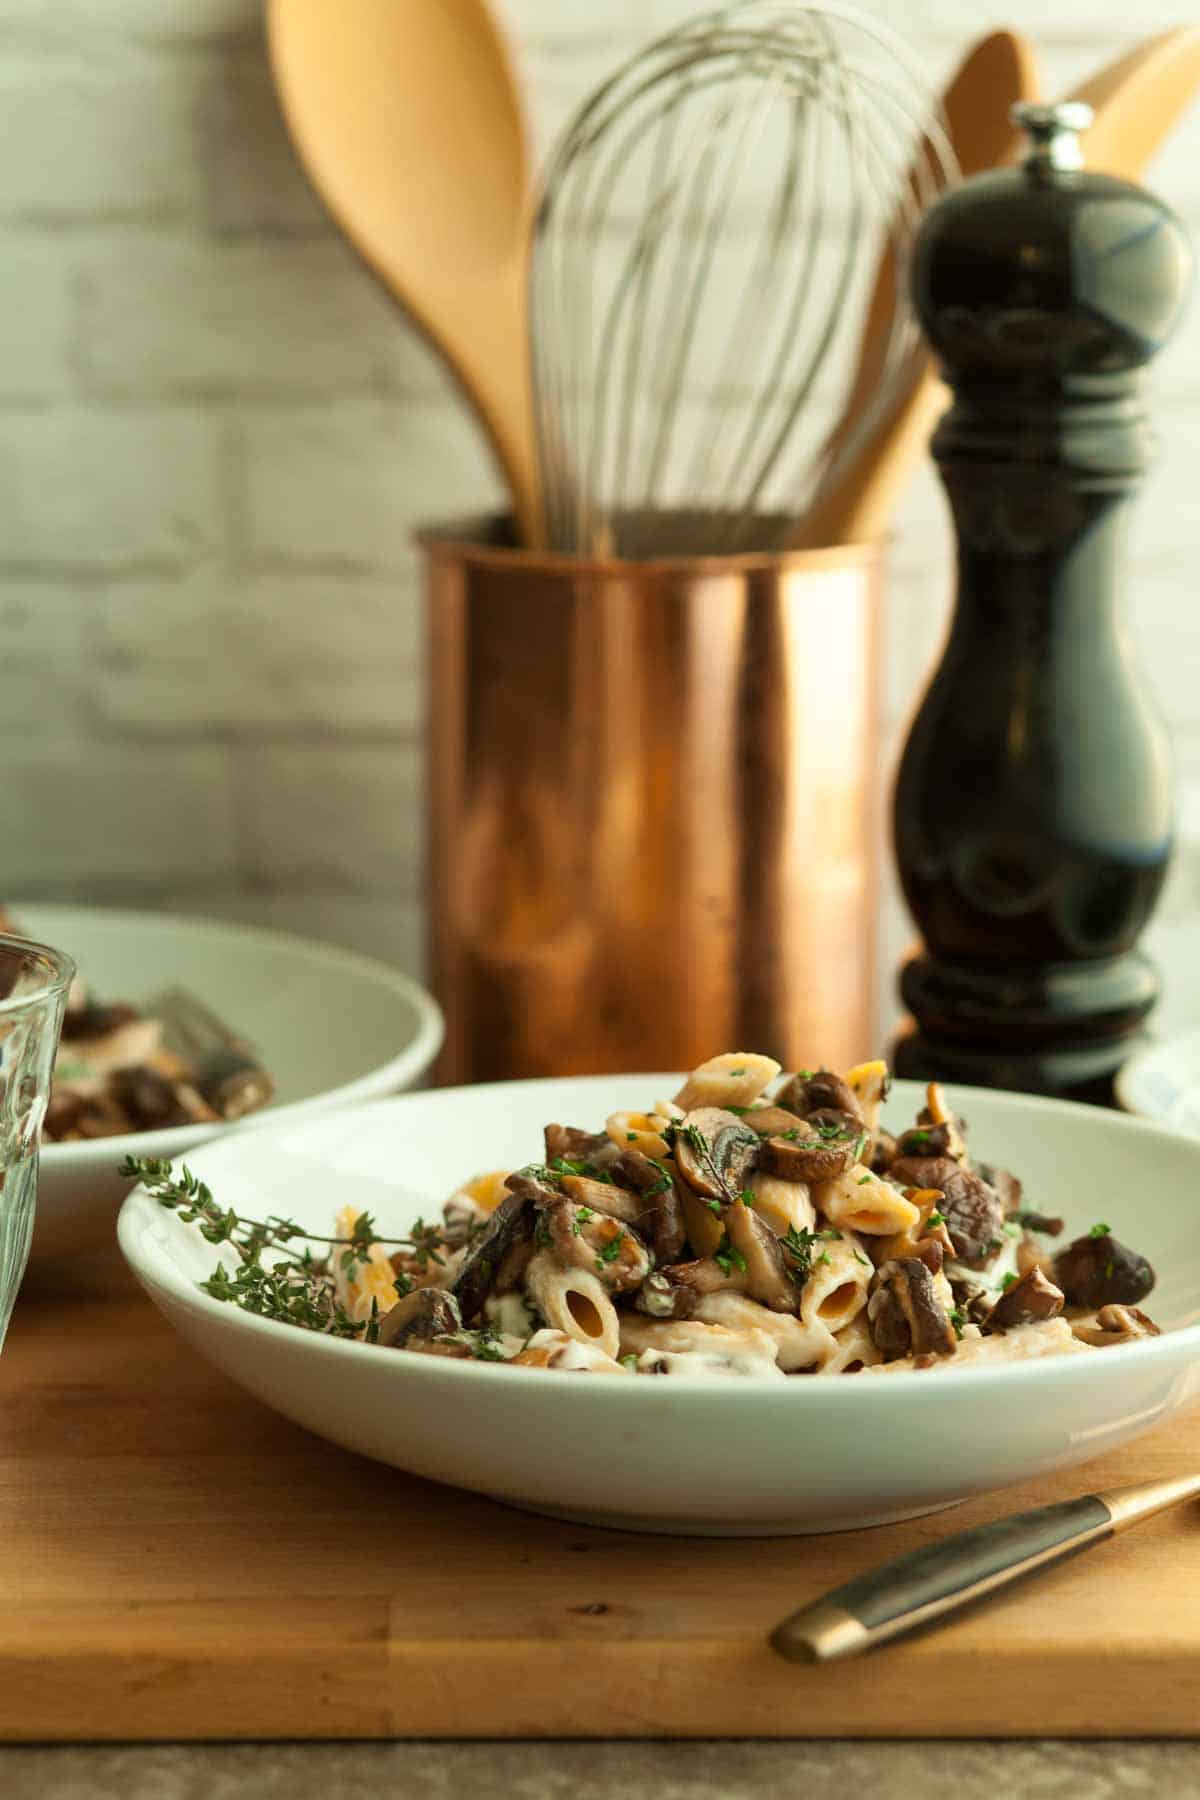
216,436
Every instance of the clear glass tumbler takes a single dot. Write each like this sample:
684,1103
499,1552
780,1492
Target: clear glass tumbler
33,990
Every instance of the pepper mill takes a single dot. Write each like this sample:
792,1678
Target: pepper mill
1033,811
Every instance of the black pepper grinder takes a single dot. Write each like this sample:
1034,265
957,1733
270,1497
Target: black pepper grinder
1033,811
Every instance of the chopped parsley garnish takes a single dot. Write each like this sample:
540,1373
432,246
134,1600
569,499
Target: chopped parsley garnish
1100,1230
863,1180
958,1319
824,1257
804,1074
542,1238
1008,1282
629,1362
729,1258
631,1137
564,1165
608,1253
735,1072
935,1218
746,1197
581,1218
799,1245
665,1179
714,1206
1108,1269
485,1346
864,1260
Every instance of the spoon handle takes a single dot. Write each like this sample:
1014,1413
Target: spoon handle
933,1582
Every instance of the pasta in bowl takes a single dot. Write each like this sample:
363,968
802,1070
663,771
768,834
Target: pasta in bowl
966,1363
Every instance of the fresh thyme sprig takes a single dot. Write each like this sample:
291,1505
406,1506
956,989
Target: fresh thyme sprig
297,1289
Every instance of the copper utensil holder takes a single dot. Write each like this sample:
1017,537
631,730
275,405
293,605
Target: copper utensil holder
653,806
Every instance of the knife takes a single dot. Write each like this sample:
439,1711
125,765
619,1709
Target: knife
929,1584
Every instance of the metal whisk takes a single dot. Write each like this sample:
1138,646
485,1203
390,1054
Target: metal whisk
706,255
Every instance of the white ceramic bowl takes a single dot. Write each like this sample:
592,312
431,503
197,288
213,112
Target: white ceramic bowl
1163,1082
743,1456
331,1026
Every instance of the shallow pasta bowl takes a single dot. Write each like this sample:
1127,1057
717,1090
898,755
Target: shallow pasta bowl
331,1026
712,1456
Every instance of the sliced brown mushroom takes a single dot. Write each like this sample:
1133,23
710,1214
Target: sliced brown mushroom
1047,1224
662,1221
572,1145
492,1258
770,1121
715,1152
1008,1186
703,1275
904,1315
83,1024
427,1312
883,1155
971,1208
153,1102
661,1296
1098,1270
581,1238
1028,1300
1115,1325
602,1196
809,1092
752,1241
810,1158
931,1140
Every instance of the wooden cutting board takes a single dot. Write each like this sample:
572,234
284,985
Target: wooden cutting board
178,1562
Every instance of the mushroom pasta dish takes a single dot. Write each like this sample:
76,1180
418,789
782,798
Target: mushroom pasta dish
745,1227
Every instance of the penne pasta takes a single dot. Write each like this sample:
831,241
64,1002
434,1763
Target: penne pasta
836,1289
785,1205
574,1301
853,1348
861,1201
798,1346
689,1346
638,1131
735,1079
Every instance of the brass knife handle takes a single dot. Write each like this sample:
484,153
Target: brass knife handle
913,1590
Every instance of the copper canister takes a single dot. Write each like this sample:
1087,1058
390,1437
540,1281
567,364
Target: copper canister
653,797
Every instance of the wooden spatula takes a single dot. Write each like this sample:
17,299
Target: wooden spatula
1136,101
856,503
408,119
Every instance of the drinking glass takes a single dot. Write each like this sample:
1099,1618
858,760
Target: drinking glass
33,991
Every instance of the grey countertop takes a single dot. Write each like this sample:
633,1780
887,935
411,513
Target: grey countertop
645,1771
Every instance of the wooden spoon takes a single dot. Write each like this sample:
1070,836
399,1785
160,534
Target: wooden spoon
856,503
407,117
1136,100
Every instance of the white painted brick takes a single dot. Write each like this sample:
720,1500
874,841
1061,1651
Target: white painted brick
244,319
84,491
75,147
253,180
35,328
116,815
266,654
181,23
390,928
351,818
344,486
44,684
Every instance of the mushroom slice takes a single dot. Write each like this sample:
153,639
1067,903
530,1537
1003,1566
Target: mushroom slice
1114,1325
582,1238
1025,1302
135,1040
919,1237
971,1207
427,1312
603,1197
772,1121
883,1153
703,1275
809,1157
661,1205
754,1245
569,1144
1100,1271
809,1092
715,1152
736,1078
662,1297
509,1232
153,1102
905,1316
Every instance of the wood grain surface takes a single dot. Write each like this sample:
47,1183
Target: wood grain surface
178,1562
